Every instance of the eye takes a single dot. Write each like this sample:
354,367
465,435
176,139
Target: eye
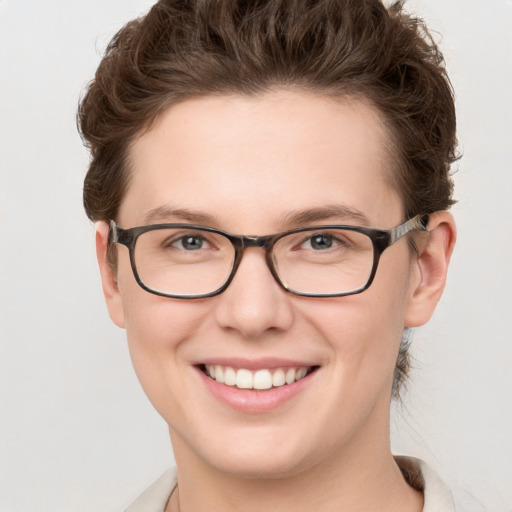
321,242
190,242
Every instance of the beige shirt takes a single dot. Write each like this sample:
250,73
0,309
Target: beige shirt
438,498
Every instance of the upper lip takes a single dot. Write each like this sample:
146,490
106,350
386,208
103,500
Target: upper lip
257,364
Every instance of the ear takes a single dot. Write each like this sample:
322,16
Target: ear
108,276
430,268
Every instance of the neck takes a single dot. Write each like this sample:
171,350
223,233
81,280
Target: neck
354,481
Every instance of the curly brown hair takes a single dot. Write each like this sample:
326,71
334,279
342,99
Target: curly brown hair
338,48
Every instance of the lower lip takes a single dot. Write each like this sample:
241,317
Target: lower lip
252,401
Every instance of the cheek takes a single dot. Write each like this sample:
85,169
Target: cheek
157,330
365,344
158,326
155,325
364,331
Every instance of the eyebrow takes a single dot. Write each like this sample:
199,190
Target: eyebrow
295,218
166,213
339,212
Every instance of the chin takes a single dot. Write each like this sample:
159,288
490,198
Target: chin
265,454
260,467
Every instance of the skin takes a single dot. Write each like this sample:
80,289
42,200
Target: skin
249,163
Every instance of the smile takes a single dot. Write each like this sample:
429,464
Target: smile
261,379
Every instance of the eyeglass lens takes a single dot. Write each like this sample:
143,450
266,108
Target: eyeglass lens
190,262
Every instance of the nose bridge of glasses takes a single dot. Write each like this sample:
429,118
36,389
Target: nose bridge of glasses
244,242
254,241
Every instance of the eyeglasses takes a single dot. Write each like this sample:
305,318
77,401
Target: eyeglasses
186,261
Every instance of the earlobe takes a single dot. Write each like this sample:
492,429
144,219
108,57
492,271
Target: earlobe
108,277
434,253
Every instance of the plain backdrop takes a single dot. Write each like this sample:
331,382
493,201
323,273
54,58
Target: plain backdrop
77,433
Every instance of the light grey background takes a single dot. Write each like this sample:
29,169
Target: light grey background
77,433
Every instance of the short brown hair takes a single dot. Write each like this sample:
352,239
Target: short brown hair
187,48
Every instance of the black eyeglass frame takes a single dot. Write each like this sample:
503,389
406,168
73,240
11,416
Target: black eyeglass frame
381,240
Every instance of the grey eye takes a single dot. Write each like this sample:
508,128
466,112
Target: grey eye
191,242
321,241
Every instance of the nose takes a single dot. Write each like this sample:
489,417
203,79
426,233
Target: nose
254,303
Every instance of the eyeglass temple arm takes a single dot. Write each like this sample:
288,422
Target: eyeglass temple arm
113,236
420,222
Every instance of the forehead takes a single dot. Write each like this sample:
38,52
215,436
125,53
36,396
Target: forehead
249,159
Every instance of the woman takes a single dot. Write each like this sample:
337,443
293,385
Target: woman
270,182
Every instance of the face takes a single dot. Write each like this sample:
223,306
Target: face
257,166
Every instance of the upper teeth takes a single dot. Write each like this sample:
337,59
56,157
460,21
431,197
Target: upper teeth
259,379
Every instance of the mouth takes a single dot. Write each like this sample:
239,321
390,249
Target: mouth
260,380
